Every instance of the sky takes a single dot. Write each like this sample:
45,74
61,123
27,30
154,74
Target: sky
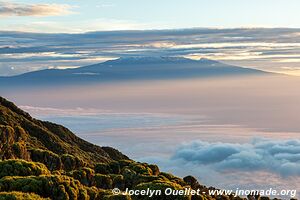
274,50
79,33
94,15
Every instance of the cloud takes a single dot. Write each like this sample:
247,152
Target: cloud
281,157
265,49
105,5
18,9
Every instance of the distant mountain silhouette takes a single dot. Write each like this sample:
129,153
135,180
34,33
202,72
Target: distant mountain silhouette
131,68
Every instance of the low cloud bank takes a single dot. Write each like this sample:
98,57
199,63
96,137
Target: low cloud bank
281,157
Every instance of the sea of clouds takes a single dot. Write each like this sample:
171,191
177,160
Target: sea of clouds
281,157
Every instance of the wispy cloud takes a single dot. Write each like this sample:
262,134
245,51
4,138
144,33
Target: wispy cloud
105,5
19,9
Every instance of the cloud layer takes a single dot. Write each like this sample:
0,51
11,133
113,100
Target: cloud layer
280,157
18,9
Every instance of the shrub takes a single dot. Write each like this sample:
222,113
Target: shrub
114,167
129,176
22,168
50,159
19,150
84,175
12,142
192,181
145,179
125,163
140,168
103,181
155,170
55,187
117,197
102,193
102,168
70,162
20,195
118,181
173,178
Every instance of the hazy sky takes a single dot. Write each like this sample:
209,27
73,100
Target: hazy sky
92,15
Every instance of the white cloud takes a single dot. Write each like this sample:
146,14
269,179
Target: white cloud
105,5
18,9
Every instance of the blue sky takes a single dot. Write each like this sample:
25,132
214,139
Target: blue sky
95,15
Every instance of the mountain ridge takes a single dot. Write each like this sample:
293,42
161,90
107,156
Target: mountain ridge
34,137
129,69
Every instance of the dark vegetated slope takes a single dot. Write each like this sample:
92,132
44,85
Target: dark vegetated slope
25,137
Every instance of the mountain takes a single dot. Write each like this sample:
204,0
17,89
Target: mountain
131,68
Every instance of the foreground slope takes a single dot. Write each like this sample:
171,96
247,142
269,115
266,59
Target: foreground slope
27,138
